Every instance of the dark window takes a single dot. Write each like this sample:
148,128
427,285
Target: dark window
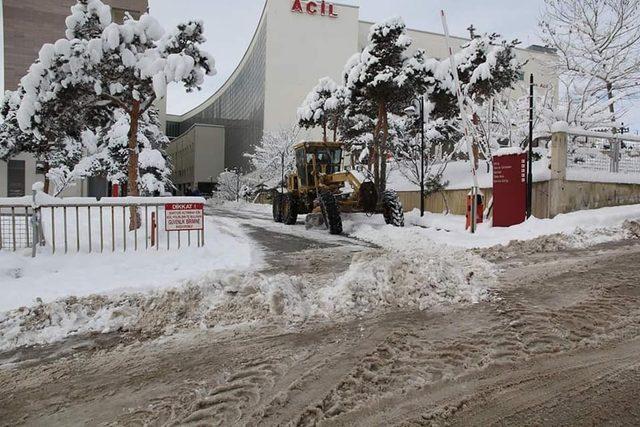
117,14
15,178
173,129
301,166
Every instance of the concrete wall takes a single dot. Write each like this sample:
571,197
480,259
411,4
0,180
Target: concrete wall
30,174
28,24
456,200
301,49
197,155
181,151
550,198
210,148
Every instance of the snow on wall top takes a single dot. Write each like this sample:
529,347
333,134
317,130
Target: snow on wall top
507,151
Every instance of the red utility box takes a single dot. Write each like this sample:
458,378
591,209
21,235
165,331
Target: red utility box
509,187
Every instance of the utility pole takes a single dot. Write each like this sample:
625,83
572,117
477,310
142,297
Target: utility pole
282,155
530,156
237,184
472,31
422,156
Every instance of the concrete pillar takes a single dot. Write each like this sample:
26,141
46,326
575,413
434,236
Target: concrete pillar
559,155
558,166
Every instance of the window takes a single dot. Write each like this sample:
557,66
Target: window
117,14
15,178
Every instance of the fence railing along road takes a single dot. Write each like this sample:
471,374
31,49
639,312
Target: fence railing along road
88,225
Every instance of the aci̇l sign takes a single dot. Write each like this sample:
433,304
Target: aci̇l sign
321,8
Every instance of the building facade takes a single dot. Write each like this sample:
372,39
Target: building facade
295,44
25,25
197,158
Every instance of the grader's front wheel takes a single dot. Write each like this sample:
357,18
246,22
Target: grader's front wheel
392,209
330,212
289,209
277,206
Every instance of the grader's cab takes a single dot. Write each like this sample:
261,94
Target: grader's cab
322,189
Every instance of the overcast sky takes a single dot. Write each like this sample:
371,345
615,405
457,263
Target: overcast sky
230,24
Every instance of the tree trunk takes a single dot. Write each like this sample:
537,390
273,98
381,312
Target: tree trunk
324,130
335,129
132,175
375,155
446,204
383,120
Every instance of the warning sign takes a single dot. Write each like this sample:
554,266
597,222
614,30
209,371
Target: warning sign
184,216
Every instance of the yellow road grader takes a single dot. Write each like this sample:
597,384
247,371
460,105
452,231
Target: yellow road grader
322,189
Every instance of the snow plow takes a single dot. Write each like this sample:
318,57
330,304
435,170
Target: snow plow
322,189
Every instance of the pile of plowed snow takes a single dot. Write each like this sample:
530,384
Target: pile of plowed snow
377,280
578,239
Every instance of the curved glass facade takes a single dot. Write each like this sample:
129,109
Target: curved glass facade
240,108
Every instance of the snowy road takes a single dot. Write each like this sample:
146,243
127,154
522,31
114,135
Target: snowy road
556,343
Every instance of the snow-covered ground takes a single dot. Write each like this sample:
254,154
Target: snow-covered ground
425,265
582,228
27,281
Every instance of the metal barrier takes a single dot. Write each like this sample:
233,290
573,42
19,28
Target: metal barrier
93,226
15,227
604,154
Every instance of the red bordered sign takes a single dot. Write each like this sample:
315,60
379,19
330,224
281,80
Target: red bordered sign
184,216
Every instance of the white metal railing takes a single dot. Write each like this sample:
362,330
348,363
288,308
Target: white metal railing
88,225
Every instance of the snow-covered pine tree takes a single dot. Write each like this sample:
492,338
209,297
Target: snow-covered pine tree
336,106
312,112
122,66
487,66
323,107
136,66
107,154
386,77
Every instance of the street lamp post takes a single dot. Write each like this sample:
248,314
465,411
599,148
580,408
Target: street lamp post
530,155
412,111
422,156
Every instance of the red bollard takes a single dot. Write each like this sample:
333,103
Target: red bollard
479,210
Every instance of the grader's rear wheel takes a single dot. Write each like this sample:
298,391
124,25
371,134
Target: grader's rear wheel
277,206
392,209
330,212
289,209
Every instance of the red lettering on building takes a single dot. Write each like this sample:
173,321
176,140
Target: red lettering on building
332,12
297,6
313,8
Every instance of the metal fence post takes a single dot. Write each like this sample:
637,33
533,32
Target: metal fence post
34,226
615,155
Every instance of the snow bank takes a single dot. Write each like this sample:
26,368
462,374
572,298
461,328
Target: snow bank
583,228
377,281
409,279
26,281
